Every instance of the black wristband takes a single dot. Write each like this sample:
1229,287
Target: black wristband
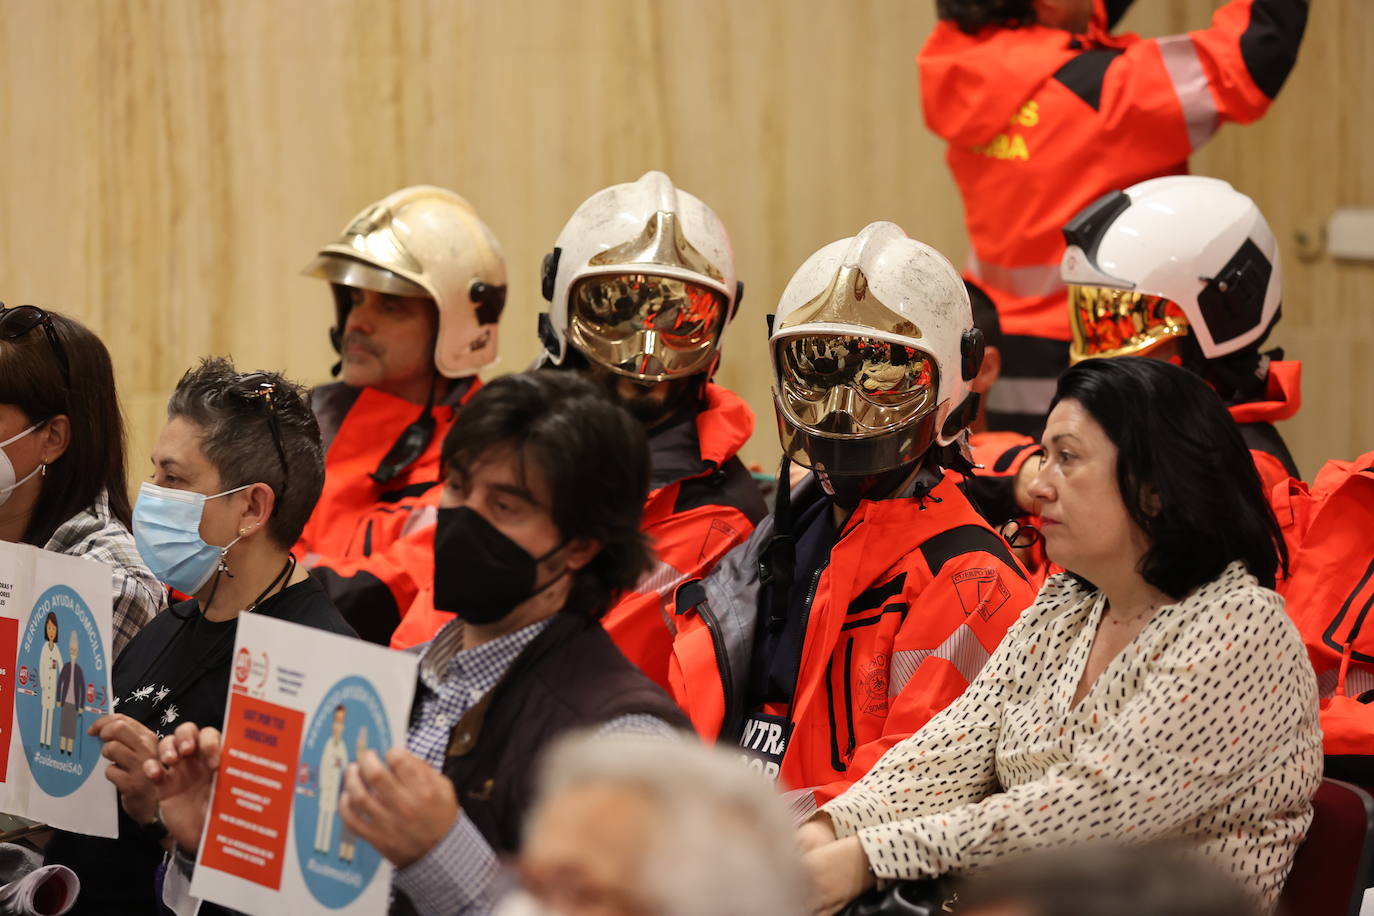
155,831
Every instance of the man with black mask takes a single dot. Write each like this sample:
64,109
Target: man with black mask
875,592
640,288
537,533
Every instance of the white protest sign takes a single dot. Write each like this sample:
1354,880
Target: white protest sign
54,682
303,705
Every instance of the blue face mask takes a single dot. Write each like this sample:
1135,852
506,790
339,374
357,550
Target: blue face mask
167,532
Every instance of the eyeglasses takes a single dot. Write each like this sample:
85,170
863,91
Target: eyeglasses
265,390
20,320
1020,535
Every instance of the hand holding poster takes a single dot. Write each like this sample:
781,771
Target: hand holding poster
303,705
54,682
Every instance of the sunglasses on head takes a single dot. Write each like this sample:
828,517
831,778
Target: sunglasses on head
265,391
20,320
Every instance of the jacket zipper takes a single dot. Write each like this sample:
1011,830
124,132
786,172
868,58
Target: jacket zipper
729,725
796,680
849,699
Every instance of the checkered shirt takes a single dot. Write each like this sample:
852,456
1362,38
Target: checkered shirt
96,534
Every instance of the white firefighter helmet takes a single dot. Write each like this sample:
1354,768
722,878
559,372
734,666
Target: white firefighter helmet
424,241
1169,257
641,282
873,347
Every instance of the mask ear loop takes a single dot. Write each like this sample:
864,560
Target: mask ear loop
563,572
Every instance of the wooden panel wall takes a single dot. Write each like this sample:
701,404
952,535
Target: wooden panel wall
170,165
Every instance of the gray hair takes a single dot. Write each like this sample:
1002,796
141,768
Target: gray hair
726,845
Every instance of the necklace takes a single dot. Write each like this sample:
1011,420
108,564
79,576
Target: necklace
1145,615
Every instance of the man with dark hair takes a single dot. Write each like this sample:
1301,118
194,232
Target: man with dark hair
1045,110
641,285
236,471
537,533
419,284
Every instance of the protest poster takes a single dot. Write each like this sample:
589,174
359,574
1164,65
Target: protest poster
303,705
55,624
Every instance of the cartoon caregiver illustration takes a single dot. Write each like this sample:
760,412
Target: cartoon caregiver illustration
333,762
49,660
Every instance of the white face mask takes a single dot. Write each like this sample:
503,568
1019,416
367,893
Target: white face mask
7,482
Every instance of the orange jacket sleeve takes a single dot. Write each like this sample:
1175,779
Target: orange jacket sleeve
374,592
1170,94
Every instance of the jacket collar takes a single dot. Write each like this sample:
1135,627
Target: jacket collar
1282,396
697,446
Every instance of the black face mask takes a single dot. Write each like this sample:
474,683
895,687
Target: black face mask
641,404
480,574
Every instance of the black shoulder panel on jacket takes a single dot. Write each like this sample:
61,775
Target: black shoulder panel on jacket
1263,437
1005,459
1083,76
1269,45
1115,10
877,596
730,485
407,491
994,498
956,542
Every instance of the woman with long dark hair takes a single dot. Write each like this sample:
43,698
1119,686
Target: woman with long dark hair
62,469
1157,691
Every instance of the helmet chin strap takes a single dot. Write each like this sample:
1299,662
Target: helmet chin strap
847,492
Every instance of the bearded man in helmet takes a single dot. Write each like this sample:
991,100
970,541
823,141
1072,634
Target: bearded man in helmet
419,283
873,595
1184,269
641,285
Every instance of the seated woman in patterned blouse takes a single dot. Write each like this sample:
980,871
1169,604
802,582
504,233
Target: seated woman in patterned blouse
1157,691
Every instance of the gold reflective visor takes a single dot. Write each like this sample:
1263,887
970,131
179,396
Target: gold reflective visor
1120,322
647,327
846,385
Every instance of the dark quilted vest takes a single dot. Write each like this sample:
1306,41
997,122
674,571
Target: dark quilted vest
571,676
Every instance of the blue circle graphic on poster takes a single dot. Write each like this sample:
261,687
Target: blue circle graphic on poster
60,691
350,721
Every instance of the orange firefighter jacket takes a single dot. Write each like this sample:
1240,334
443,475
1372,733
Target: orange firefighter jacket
1041,122
1329,590
915,596
348,542
702,503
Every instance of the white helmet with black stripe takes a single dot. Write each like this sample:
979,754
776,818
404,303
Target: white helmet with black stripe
1170,258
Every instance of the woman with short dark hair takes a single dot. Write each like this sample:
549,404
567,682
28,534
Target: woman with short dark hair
62,469
1156,691
236,470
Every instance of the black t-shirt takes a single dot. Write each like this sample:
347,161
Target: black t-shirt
176,669
777,649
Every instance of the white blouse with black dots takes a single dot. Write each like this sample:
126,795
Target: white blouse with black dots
1203,731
